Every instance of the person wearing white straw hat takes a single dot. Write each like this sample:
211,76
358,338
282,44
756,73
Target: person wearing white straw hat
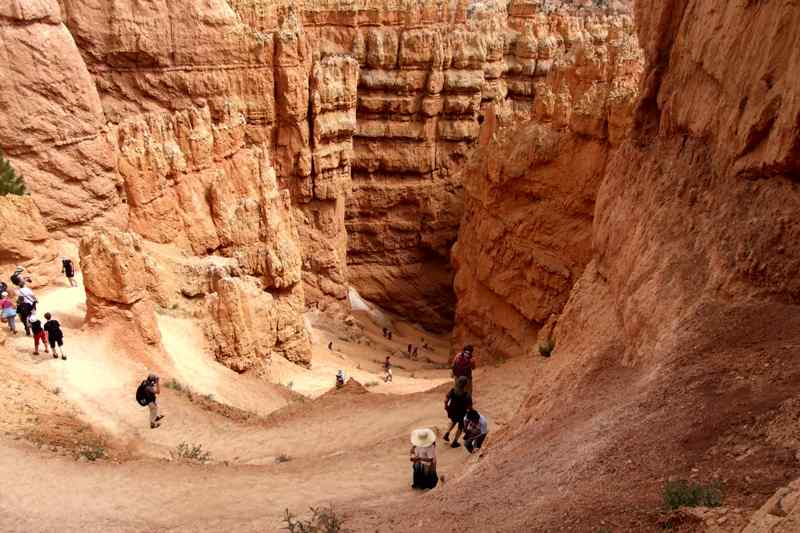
423,458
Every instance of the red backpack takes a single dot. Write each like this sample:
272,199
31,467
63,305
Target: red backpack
462,366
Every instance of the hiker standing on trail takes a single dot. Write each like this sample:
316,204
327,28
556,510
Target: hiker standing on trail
475,430
39,334
54,336
68,269
9,313
387,370
415,353
463,365
147,396
457,402
423,458
340,379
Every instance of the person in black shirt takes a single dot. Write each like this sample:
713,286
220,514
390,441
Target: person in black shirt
68,268
54,335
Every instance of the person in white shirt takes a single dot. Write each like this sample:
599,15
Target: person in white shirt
423,459
476,428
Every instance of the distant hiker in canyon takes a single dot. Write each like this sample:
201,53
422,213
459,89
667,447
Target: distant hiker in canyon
330,346
147,396
340,379
463,365
68,269
385,333
9,313
54,336
39,334
423,459
456,404
415,353
475,430
387,370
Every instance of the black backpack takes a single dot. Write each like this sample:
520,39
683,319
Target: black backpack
69,270
144,396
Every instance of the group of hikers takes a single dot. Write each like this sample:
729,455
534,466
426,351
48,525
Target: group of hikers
463,416
25,309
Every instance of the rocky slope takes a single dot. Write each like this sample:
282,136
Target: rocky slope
678,347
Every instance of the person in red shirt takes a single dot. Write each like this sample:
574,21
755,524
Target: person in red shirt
463,365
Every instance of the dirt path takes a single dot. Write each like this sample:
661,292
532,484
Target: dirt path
347,447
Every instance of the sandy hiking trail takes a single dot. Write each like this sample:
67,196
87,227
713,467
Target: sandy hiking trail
347,447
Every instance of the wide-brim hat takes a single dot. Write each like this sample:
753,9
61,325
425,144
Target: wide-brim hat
423,437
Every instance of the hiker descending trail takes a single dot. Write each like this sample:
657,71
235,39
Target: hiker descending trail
423,459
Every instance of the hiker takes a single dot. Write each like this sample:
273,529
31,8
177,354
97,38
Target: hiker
24,309
410,350
9,313
463,365
423,458
68,269
39,334
387,370
415,353
340,379
27,294
16,277
457,402
147,396
385,333
475,430
54,336
389,334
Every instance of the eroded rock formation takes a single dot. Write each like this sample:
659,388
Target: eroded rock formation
529,193
258,135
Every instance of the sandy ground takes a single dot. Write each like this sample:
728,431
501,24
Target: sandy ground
346,447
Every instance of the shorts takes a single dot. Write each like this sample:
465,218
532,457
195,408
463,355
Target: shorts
457,419
56,340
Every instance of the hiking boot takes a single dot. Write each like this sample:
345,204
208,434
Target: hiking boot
155,425
55,355
159,417
63,357
446,437
456,444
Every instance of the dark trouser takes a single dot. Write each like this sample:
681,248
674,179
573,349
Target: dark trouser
425,477
27,326
474,444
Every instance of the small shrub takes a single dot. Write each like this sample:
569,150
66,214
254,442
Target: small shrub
371,384
289,385
547,347
176,385
92,452
57,391
323,520
282,458
682,493
193,452
10,182
209,397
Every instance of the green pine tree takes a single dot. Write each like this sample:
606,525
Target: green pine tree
10,182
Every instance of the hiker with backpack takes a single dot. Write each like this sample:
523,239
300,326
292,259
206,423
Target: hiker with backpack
457,402
68,269
423,459
147,396
475,430
39,334
24,310
54,336
340,379
9,313
463,365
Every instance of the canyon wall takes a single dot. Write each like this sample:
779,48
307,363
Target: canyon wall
529,199
677,350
